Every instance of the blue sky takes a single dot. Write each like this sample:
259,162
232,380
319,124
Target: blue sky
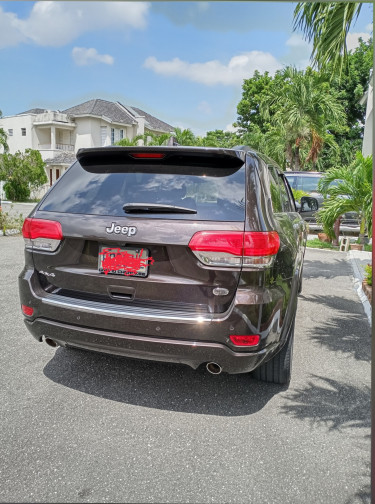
183,62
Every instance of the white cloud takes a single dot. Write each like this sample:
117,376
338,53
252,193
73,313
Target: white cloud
55,24
213,72
298,53
369,28
352,39
83,56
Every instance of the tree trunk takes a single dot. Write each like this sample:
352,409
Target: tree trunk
336,228
297,160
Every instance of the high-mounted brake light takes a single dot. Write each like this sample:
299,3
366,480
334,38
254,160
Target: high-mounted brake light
245,340
41,234
147,155
235,248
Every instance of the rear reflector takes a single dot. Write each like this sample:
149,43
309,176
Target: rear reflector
27,310
147,155
235,248
42,234
245,340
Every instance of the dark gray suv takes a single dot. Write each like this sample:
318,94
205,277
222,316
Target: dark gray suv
178,254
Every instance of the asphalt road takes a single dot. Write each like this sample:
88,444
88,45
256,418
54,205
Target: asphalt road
82,427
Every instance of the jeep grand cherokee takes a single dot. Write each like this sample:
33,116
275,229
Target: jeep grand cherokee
179,254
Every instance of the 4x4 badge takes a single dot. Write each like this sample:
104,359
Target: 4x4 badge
130,231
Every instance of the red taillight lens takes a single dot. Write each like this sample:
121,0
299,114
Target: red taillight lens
27,310
245,340
211,241
40,228
147,155
42,234
235,248
261,244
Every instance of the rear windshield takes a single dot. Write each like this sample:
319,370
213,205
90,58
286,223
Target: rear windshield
214,194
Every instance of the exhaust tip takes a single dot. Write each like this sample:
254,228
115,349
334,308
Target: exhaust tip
213,368
51,342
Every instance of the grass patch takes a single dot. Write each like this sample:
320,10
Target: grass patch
368,248
316,243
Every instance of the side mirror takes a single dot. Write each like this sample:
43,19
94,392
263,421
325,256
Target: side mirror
308,204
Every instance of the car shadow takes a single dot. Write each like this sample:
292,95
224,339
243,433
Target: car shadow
346,331
330,403
328,270
158,385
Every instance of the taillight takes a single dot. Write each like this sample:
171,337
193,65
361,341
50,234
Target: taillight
235,248
41,234
245,339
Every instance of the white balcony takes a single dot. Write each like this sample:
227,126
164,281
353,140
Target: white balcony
63,147
53,117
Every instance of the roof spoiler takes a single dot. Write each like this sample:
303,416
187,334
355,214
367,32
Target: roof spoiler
121,159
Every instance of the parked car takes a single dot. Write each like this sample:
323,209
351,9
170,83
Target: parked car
179,254
308,182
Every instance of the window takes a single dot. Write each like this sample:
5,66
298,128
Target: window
23,131
213,195
274,190
57,173
121,134
285,196
10,132
112,136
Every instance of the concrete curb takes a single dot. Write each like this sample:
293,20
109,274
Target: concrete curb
357,259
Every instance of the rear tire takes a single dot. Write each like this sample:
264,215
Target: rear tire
279,368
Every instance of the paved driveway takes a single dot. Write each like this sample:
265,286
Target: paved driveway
81,427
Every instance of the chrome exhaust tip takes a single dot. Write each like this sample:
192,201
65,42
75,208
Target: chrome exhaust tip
51,342
213,368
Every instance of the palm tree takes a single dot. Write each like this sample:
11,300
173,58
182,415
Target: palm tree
303,111
126,142
352,193
153,139
327,26
184,137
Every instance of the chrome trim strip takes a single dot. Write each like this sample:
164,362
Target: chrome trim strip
132,312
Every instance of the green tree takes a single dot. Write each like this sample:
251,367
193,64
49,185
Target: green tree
184,137
304,110
153,139
351,193
326,25
219,138
126,142
3,137
22,172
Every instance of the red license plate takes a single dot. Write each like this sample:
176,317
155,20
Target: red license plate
129,261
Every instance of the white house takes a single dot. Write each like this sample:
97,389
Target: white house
59,134
368,135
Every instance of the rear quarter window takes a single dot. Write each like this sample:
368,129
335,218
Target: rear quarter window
212,195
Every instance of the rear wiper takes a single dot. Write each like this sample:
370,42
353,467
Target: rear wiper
156,208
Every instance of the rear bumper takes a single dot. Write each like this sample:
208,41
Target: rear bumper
192,353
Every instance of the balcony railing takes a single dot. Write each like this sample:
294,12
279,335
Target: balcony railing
48,117
64,147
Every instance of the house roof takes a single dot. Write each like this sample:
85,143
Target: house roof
151,122
34,111
63,158
98,107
